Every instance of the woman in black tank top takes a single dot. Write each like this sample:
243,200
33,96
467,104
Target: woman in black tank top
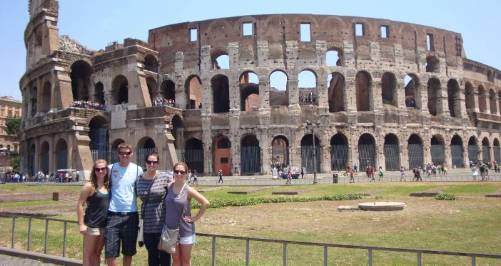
94,194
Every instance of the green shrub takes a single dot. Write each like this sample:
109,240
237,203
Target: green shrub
445,196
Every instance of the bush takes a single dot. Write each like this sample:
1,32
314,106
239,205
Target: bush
218,203
445,196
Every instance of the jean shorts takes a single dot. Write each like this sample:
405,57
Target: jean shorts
187,240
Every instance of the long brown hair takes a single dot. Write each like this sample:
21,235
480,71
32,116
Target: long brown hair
93,177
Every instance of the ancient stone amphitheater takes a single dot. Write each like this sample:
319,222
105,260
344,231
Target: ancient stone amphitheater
245,94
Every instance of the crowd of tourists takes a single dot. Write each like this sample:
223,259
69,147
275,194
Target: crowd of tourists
88,105
109,218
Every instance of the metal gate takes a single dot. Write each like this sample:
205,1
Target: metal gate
366,155
250,159
473,153
497,154
195,159
392,157
99,154
62,159
486,155
437,154
457,155
415,153
99,143
339,157
44,166
307,158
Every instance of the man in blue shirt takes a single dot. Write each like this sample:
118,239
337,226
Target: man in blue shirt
123,219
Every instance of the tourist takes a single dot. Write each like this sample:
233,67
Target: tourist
178,213
151,188
369,171
123,220
220,174
350,172
381,173
94,194
402,173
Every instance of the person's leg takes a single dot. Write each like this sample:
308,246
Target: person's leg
98,250
185,252
129,237
176,256
152,248
88,249
112,239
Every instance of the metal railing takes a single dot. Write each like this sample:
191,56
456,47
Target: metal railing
247,240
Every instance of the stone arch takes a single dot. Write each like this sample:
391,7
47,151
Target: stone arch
33,100
222,158
250,155
469,96
391,152
363,82
46,97
220,94
437,149
150,63
44,157
307,87
80,80
31,159
486,150
336,92
249,91
61,154
220,60
415,151
99,138
120,90
453,98
193,88
334,57
177,131
145,146
307,159
366,151
432,64
280,152
434,97
279,93
412,91
99,93
457,151
339,152
194,154
168,90
473,150
493,102
482,99
388,89
497,150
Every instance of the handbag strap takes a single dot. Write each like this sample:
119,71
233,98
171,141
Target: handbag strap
143,204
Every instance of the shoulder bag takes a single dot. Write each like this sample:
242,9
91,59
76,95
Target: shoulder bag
170,237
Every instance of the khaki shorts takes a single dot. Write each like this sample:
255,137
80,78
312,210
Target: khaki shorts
95,231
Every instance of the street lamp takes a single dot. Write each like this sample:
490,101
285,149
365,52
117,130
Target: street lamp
312,125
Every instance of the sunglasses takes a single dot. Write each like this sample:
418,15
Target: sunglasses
151,162
100,169
125,153
179,172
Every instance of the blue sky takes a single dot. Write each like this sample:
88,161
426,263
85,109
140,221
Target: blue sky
96,23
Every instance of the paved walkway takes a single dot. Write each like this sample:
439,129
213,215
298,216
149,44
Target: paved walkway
15,261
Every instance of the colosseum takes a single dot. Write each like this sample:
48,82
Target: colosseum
246,94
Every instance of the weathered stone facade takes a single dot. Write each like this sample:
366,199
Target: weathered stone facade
9,108
395,94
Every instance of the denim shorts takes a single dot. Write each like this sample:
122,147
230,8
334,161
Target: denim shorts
92,231
121,231
187,240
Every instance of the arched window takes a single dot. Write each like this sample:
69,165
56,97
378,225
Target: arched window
437,150
339,152
434,99
46,97
98,134
193,88
120,90
391,152
222,154
432,64
279,95
280,152
482,99
221,61
250,155
486,151
363,85
249,92
80,80
415,151
168,90
336,94
151,63
194,155
220,94
151,83
493,102
457,151
470,96
453,100
307,86
473,150
412,95
61,154
388,89
366,151
310,156
99,93
334,57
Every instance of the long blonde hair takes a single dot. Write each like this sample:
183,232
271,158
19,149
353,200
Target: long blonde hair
93,177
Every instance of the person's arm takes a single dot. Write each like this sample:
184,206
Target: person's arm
84,194
204,204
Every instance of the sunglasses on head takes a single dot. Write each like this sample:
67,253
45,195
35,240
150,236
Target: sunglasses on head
179,172
100,169
151,162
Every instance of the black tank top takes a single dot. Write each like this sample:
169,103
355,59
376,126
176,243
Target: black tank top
97,210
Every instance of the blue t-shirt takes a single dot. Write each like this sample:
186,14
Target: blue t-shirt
123,182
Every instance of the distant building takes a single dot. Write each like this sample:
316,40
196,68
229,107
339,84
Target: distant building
9,107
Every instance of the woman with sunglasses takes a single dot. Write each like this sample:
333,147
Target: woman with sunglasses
178,213
94,194
151,187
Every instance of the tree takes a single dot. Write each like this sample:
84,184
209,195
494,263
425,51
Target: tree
13,125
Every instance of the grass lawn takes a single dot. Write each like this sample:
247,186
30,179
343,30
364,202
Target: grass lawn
471,223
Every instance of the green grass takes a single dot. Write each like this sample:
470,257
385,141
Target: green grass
468,224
